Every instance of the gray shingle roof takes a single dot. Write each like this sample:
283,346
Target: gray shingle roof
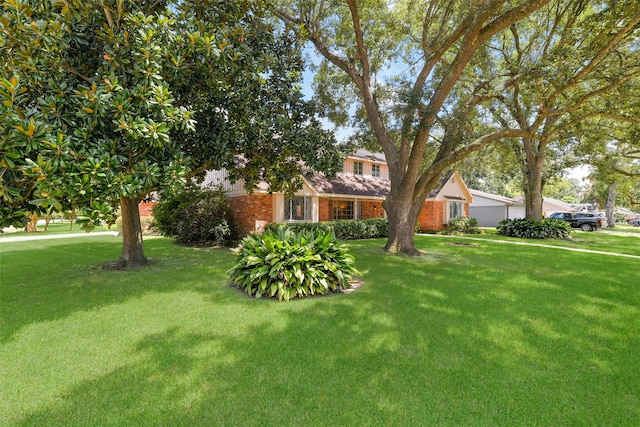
348,184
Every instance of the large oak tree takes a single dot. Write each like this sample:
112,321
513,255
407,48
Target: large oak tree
412,68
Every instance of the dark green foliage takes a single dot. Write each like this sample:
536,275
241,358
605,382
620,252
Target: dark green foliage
298,227
286,265
343,230
528,228
463,225
196,217
361,229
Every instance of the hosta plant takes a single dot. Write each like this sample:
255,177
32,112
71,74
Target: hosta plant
288,265
528,228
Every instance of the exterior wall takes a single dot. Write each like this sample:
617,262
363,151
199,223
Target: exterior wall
488,216
146,208
431,217
324,209
252,212
485,201
371,209
454,188
347,167
221,177
549,207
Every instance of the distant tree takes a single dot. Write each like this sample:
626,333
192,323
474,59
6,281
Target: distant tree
493,169
105,101
565,65
613,148
562,188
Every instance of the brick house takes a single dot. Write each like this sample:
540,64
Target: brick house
356,193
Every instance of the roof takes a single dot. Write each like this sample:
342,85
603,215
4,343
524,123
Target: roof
346,184
550,204
368,155
504,200
349,184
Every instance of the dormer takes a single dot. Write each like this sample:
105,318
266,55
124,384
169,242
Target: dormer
366,164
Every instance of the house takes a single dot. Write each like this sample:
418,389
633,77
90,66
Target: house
550,206
489,209
357,192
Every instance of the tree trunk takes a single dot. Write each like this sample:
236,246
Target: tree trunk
402,217
32,225
132,248
611,204
533,181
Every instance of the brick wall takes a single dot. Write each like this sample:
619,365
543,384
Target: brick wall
324,209
146,208
372,209
432,216
249,209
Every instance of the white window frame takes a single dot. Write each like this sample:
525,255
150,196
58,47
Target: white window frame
375,170
298,209
358,168
455,209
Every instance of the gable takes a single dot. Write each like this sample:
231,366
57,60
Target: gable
452,187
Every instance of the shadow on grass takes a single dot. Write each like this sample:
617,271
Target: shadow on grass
439,340
52,279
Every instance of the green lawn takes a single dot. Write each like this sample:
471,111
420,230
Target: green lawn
603,240
58,227
493,334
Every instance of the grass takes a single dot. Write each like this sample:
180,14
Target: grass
603,240
492,334
58,227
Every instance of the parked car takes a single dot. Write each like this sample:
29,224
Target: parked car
634,220
586,221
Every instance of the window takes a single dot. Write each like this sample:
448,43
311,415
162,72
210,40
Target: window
375,171
297,209
357,168
455,210
342,209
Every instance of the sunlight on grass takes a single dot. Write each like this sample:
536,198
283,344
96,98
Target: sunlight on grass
488,335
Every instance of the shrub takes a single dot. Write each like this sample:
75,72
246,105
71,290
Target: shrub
343,230
195,217
528,228
463,225
287,265
298,227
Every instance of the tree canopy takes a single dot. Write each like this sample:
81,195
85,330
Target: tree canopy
568,64
412,67
435,81
105,101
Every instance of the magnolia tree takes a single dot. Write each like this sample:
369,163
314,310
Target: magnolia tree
106,101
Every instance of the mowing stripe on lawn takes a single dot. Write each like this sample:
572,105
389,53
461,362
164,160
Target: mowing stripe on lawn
540,245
